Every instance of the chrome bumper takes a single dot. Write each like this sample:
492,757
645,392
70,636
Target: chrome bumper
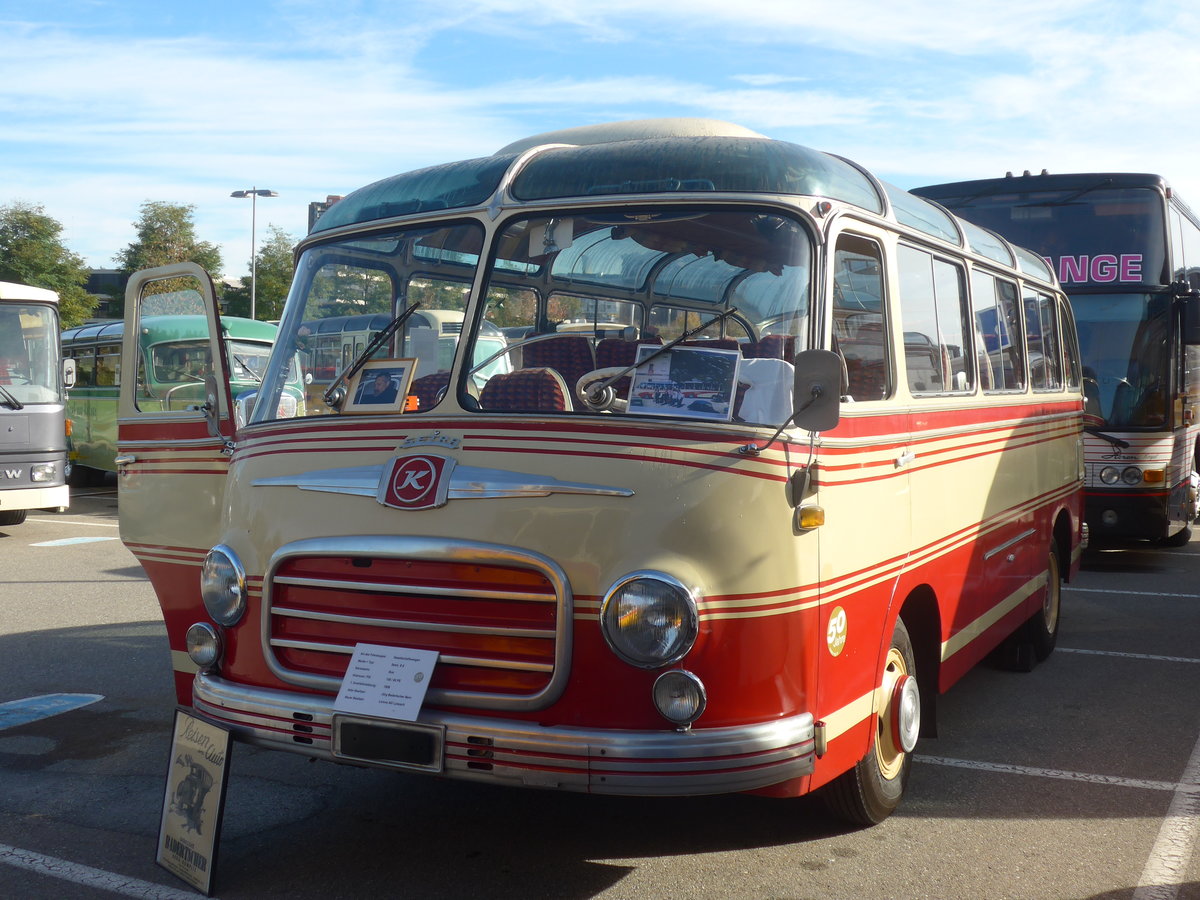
505,751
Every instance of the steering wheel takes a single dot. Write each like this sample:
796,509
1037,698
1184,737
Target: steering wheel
605,399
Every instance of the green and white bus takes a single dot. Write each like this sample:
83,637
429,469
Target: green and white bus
173,360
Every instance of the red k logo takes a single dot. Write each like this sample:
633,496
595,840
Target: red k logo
415,482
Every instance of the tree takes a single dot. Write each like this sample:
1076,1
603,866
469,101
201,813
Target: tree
32,252
166,234
272,279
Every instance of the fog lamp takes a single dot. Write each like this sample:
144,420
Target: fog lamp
223,585
679,697
203,645
41,472
1109,517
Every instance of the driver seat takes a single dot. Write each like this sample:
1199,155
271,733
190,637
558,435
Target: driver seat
526,390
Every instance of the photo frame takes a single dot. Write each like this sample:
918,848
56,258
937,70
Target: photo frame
380,386
194,800
686,382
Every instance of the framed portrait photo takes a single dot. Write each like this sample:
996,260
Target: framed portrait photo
380,386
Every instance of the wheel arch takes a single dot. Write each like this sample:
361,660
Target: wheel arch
923,620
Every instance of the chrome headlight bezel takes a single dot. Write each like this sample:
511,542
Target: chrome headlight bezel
650,619
1110,475
680,697
204,645
1131,475
223,585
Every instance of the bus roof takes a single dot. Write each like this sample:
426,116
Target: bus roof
174,327
1067,181
656,157
12,291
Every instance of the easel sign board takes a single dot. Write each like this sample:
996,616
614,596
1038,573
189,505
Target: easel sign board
194,800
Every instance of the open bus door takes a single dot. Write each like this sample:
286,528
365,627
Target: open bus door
172,458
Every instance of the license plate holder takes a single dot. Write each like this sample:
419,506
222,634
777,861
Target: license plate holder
383,742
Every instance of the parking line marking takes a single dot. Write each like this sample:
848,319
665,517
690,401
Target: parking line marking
1062,774
1167,868
99,879
65,542
1082,590
65,522
22,712
1123,655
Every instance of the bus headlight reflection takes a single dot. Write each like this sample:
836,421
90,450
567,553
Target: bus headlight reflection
223,585
649,619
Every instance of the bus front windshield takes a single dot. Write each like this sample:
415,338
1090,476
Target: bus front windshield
1125,340
29,357
566,295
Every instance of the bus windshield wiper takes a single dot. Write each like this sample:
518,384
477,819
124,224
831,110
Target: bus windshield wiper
237,359
598,389
10,399
361,360
1115,441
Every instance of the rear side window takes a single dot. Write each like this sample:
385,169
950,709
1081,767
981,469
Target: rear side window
933,309
999,346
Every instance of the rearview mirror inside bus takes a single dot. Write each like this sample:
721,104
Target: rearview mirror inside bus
817,390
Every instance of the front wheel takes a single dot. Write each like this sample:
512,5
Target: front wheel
12,516
871,791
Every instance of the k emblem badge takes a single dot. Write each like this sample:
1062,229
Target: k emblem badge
420,481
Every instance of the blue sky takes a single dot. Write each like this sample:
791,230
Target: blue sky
105,104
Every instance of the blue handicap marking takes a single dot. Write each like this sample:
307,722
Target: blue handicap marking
63,542
22,712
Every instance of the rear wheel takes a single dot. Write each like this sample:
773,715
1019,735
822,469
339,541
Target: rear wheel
871,791
1042,628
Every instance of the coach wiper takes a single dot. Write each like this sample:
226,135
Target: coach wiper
1115,441
9,399
335,394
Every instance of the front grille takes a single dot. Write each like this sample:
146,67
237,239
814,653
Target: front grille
498,625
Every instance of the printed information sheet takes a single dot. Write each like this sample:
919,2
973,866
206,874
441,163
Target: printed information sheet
386,682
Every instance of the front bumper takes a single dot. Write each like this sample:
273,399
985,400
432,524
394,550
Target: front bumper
518,753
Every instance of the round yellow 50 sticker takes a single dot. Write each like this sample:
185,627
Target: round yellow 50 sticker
835,636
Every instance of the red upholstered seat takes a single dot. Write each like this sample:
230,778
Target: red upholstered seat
429,389
570,355
526,390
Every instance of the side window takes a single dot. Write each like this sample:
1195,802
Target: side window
860,326
933,308
108,365
1070,343
85,367
1041,332
998,340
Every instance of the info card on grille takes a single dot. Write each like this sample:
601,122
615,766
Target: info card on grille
386,682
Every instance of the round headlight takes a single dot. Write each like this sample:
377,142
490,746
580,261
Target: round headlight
223,585
1110,475
679,697
203,645
1132,475
649,619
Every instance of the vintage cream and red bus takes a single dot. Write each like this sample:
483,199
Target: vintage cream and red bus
749,490
1126,250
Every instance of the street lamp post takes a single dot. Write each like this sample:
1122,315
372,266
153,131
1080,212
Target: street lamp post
253,193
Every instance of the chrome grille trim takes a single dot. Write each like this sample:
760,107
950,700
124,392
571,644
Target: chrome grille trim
408,624
509,665
435,550
394,589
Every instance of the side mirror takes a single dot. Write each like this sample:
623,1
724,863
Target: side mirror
68,373
1191,315
817,392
